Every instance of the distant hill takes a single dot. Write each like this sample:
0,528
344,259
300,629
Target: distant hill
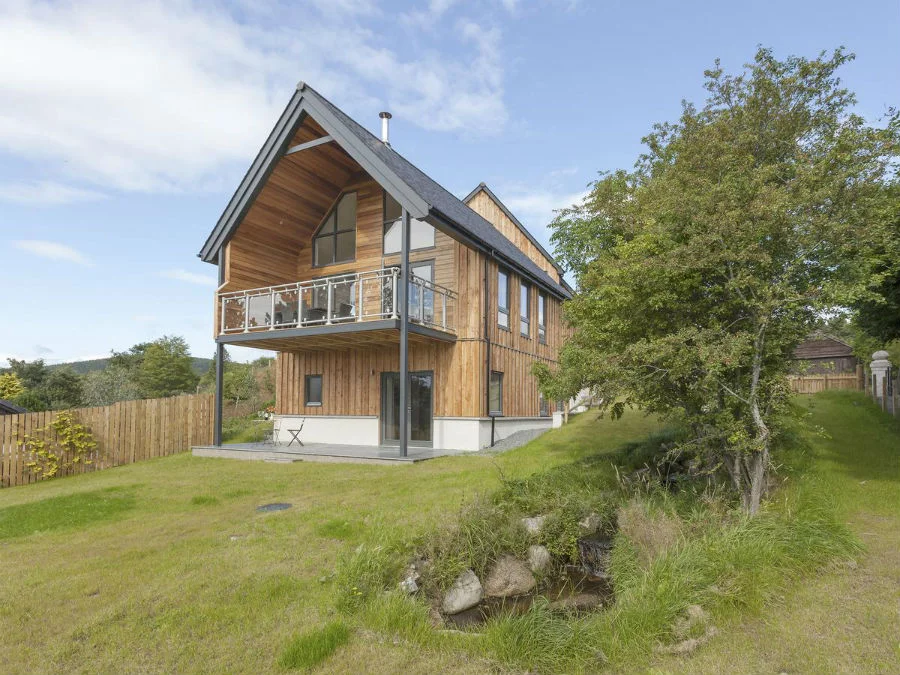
198,364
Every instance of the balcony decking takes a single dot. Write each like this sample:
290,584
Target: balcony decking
333,312
322,452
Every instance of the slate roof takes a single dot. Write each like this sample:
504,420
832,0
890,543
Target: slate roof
364,146
7,408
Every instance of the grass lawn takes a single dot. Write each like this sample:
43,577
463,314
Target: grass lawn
165,566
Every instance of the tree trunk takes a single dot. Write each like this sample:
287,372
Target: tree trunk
758,463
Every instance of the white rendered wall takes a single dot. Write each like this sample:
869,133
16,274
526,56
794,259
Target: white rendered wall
507,426
343,430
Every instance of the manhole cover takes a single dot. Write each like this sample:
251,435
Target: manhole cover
278,506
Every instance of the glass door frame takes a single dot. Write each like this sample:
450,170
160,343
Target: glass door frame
381,418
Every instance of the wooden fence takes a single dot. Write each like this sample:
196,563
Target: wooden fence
812,384
125,432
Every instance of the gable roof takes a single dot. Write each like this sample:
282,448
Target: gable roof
7,408
482,187
423,197
819,345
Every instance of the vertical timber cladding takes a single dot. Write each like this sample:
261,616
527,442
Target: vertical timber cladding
351,379
512,353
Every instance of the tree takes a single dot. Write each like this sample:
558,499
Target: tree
31,375
165,368
10,386
700,270
113,383
130,361
61,388
239,383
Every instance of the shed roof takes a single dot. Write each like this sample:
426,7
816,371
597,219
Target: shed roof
8,408
422,196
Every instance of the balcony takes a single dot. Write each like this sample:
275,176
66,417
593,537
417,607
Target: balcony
341,304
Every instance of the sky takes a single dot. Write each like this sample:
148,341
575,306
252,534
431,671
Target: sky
125,127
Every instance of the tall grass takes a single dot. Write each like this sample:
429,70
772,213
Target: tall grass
313,647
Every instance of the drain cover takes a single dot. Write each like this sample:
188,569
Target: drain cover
277,506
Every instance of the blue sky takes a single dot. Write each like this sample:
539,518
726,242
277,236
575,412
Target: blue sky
125,127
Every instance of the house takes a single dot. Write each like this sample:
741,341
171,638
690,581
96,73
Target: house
825,354
314,251
8,408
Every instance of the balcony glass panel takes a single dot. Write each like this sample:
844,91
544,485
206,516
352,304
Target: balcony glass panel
286,308
343,303
234,314
259,312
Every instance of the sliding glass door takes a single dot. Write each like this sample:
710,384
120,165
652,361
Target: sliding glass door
421,396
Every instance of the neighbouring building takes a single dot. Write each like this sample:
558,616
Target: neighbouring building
312,252
8,408
824,354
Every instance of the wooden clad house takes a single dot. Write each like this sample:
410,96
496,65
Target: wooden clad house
825,354
313,250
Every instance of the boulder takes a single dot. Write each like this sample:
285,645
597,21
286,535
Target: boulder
409,585
534,525
509,577
590,523
466,592
538,558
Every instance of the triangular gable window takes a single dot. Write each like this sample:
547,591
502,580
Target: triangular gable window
335,240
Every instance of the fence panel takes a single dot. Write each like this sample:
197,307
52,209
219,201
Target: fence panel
812,384
125,432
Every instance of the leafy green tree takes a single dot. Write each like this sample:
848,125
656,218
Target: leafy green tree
165,368
32,401
131,359
10,386
701,270
113,383
31,375
239,383
62,388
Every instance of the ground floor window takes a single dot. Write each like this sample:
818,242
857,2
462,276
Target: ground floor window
313,390
545,406
495,397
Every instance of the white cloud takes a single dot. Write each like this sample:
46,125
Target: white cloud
169,95
52,250
46,193
189,277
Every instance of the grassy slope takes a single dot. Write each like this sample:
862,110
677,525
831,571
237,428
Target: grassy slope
161,587
846,620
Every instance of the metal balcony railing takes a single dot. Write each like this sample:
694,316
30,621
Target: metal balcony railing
344,298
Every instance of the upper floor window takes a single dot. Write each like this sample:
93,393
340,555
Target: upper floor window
503,299
335,241
542,318
421,234
525,310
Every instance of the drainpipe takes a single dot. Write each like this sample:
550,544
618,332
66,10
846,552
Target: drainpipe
404,332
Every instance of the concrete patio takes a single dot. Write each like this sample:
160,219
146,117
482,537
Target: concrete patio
320,452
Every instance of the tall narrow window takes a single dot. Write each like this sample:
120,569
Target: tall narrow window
503,299
495,395
544,406
335,241
525,310
421,234
314,390
542,318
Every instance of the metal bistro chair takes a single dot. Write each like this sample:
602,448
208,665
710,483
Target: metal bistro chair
295,433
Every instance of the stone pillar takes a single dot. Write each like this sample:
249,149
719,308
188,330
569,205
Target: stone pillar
881,376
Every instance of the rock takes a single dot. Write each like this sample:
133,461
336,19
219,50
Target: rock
590,523
580,602
409,585
534,525
538,558
509,576
465,592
